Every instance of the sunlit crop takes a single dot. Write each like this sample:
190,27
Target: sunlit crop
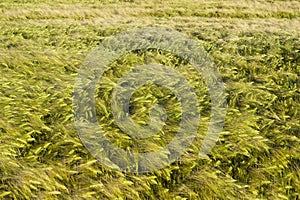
256,47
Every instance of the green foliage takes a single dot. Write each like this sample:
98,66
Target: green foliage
257,51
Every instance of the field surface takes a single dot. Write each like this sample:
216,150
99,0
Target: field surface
255,46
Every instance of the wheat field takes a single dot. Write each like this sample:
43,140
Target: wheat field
255,46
